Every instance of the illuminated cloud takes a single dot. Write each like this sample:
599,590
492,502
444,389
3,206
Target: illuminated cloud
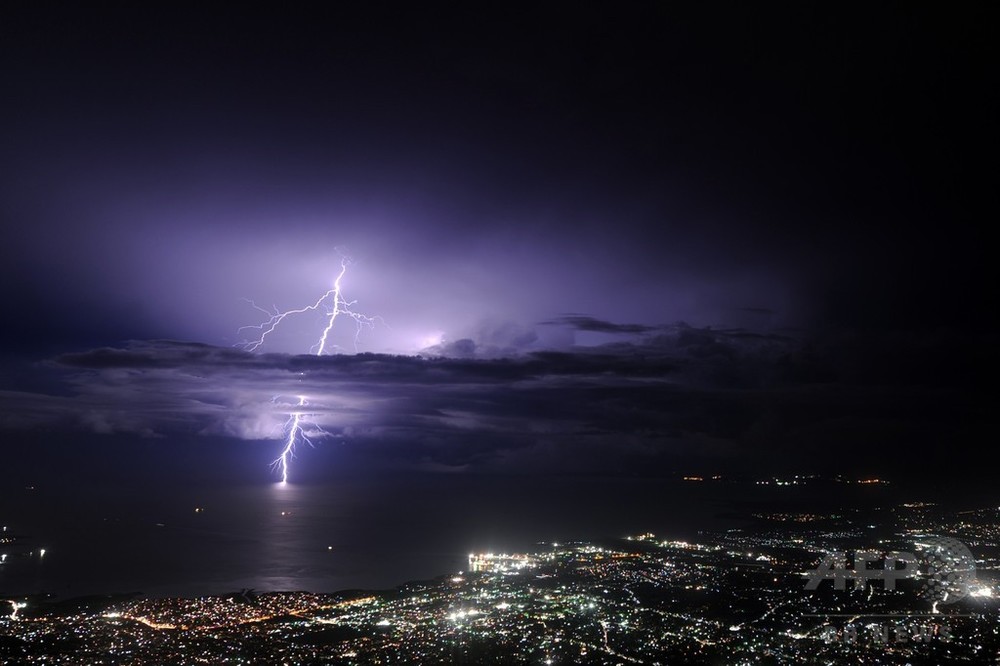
664,394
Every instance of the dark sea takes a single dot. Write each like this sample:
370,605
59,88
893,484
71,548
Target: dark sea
359,533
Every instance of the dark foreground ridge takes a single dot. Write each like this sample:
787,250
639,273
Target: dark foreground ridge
738,596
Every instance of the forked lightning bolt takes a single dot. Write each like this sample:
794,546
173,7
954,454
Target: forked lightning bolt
295,434
334,304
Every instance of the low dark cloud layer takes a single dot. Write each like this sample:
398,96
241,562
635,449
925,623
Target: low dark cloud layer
659,399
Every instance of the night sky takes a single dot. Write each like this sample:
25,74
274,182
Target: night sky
635,239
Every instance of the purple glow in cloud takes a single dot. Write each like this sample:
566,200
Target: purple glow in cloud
334,303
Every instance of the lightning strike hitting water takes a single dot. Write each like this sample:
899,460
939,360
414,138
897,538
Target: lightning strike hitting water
294,429
335,305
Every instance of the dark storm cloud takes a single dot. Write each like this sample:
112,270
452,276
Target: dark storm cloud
584,323
676,396
454,410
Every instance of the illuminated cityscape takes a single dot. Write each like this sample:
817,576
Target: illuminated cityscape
737,596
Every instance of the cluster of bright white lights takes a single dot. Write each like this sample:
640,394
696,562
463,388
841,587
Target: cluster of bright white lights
334,304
